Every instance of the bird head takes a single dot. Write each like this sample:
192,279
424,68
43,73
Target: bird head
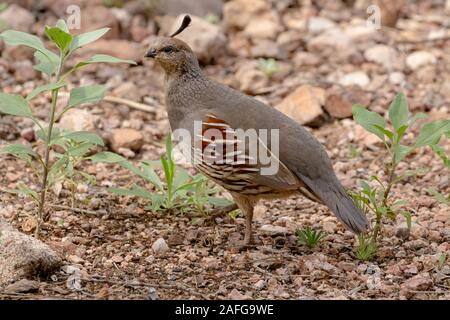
174,55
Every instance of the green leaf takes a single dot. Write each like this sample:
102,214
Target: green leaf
439,196
156,202
400,132
18,149
61,24
61,38
100,58
108,157
386,132
15,38
219,202
369,120
135,191
44,65
14,105
431,133
442,154
86,38
411,173
42,134
398,112
25,190
85,136
88,94
80,150
151,176
43,88
400,152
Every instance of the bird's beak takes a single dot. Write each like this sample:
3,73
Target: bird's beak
150,53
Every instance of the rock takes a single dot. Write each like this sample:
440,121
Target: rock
304,104
27,134
126,138
122,49
339,102
306,59
205,38
329,42
238,13
160,246
24,71
262,28
268,49
419,282
17,18
250,78
358,78
22,256
23,286
77,120
397,78
127,90
236,295
97,17
419,59
274,230
317,25
360,32
383,55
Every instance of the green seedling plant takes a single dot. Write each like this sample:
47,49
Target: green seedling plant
177,191
268,66
375,194
309,237
53,66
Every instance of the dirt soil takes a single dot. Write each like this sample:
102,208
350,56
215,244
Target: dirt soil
109,238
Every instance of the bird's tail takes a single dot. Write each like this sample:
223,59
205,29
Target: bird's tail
345,209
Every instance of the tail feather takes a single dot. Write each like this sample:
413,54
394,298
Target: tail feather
346,210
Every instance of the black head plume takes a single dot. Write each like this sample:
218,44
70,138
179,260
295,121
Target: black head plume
184,25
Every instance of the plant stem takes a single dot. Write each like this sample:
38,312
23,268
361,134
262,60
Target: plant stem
46,163
48,139
390,183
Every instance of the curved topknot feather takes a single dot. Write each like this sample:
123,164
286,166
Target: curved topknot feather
184,25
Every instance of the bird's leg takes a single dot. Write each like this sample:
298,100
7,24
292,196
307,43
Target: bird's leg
246,206
248,237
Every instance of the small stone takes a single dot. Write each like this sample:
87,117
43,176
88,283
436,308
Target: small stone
117,259
160,246
28,134
126,138
340,102
29,224
274,230
77,120
262,28
396,78
259,285
358,78
330,41
23,286
419,59
317,25
250,78
419,282
364,137
75,259
127,90
24,71
382,54
17,18
304,104
236,295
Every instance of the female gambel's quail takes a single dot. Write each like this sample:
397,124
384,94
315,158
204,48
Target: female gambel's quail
303,164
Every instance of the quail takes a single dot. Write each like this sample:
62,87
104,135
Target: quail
303,166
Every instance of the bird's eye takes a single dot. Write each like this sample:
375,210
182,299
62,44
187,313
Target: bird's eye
168,49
